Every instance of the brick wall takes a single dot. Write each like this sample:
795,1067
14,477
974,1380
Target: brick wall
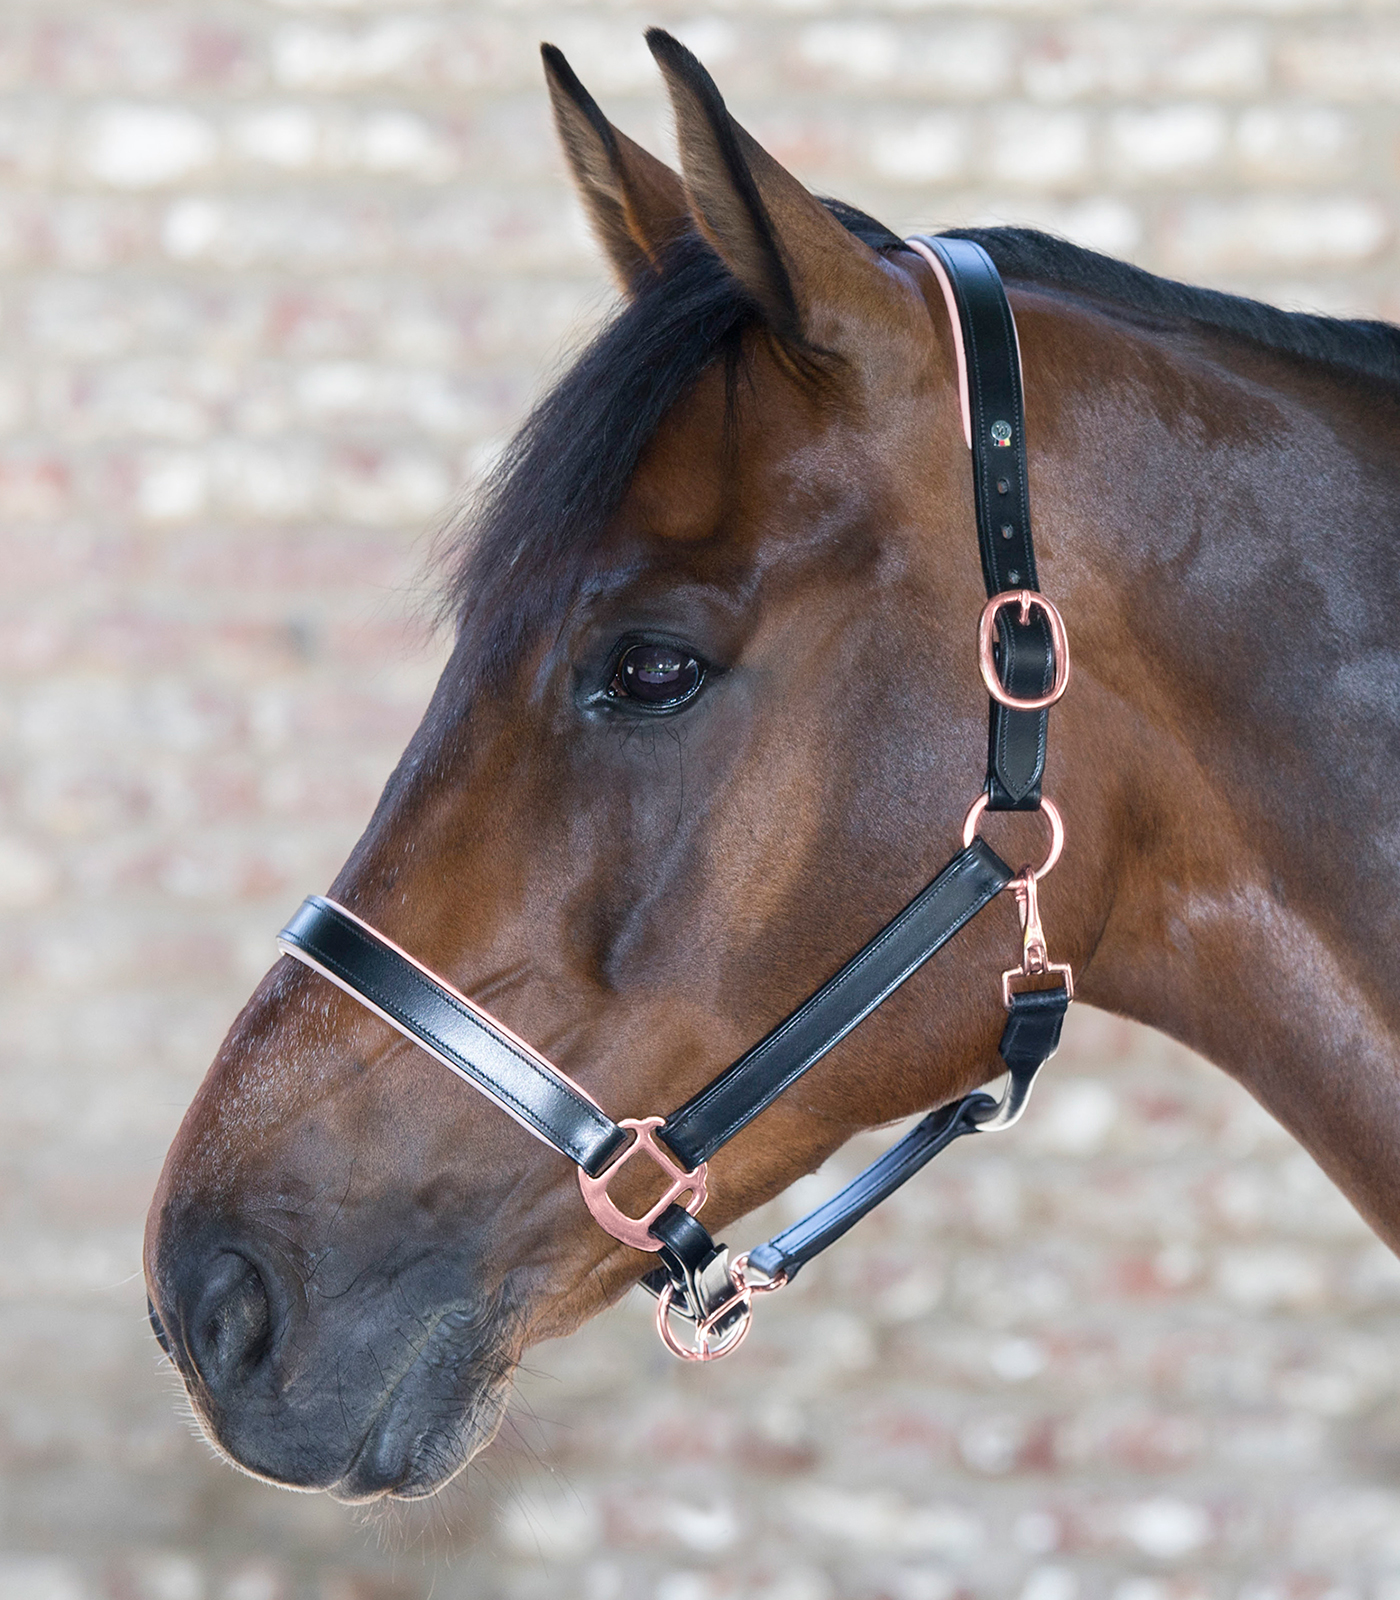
277,278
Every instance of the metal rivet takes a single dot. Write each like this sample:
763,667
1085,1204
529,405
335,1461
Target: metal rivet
1013,577
1003,485
1008,531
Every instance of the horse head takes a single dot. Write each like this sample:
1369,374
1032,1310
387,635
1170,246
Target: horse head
712,715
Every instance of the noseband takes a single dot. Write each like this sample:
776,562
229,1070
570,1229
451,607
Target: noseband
1023,656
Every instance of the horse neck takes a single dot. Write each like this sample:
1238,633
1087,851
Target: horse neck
1219,518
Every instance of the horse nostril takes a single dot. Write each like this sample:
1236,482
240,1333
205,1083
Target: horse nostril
232,1323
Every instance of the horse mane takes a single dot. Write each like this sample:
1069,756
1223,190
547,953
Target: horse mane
517,555
1353,344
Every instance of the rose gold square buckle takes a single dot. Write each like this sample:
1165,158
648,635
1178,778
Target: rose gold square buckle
636,1231
1059,640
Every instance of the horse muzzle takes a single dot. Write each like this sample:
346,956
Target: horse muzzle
366,1378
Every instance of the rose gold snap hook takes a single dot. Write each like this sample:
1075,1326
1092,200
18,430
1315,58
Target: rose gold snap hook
636,1231
1035,954
986,635
1051,813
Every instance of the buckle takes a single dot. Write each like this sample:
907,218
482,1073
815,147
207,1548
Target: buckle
636,1231
1035,955
1059,640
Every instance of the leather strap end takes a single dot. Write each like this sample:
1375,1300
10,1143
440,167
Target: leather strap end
1032,1032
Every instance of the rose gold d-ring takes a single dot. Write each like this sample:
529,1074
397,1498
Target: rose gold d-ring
636,1231
1048,808
1059,640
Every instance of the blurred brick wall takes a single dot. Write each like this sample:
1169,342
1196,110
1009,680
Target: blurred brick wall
277,278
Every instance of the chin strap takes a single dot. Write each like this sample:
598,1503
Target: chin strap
698,1283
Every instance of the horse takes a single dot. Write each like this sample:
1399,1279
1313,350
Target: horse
712,715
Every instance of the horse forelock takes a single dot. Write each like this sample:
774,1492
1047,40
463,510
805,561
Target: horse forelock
519,553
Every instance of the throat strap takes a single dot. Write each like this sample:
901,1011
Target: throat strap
1031,1036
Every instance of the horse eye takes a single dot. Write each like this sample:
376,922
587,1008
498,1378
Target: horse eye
656,675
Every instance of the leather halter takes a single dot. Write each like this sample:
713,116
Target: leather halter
1024,660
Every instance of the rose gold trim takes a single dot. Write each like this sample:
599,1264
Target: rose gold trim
635,1231
949,299
478,1084
1035,955
1059,639
1051,813
480,1012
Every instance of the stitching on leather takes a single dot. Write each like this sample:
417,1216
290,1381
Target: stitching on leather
937,887
917,1157
1004,716
834,983
419,1031
979,426
1023,488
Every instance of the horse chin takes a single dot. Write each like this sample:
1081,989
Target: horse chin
402,1459
402,1456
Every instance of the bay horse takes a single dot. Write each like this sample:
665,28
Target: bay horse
753,487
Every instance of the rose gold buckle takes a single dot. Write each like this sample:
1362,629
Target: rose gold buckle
708,1345
1059,640
1035,955
1049,810
636,1231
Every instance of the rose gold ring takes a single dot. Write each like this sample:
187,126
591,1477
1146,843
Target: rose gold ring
1048,809
986,634
707,1346
740,1274
636,1231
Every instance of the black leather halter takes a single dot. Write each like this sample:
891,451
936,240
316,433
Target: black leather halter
1025,663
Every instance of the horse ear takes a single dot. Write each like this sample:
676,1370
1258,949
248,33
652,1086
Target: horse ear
778,240
635,203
